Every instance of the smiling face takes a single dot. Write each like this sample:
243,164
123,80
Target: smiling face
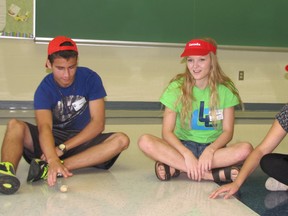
199,67
63,70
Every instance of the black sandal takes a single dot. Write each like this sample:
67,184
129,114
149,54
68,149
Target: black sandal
227,173
167,172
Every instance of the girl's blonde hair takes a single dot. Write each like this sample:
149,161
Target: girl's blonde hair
215,77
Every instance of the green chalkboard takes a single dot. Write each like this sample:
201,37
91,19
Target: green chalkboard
230,22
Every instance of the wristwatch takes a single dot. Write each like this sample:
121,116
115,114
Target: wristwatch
62,147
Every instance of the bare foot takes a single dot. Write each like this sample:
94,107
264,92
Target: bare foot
164,172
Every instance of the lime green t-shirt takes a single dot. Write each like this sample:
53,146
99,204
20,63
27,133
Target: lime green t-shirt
201,129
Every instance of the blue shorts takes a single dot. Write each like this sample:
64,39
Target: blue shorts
196,148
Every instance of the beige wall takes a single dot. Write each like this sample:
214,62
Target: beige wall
141,73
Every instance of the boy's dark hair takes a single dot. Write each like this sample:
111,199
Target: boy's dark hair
66,54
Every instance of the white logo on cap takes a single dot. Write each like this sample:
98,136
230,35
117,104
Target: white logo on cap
194,44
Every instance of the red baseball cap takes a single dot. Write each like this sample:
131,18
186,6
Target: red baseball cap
198,47
55,45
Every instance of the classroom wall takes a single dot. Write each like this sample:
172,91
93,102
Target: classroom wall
141,73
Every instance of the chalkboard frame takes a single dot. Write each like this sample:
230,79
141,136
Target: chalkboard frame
202,24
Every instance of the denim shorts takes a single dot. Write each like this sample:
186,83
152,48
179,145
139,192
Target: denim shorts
196,148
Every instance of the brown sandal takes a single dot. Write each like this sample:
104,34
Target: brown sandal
227,173
167,172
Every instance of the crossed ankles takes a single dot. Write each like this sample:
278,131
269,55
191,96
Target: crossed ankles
220,175
9,183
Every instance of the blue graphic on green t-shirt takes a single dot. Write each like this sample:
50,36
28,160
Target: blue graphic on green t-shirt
200,118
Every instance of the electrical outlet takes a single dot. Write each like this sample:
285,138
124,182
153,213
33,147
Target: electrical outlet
241,75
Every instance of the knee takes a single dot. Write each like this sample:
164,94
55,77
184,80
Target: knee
123,140
145,142
15,125
246,149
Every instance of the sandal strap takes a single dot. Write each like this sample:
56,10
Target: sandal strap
215,174
167,171
227,173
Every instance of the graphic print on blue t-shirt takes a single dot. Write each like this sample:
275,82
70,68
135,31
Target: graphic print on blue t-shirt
69,108
200,118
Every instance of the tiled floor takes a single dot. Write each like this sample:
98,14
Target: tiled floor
129,188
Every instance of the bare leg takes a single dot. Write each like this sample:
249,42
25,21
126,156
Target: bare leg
229,156
98,154
17,135
159,150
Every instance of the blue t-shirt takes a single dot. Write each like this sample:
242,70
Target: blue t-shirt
70,106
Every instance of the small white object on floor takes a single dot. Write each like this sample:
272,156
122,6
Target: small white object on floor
64,188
